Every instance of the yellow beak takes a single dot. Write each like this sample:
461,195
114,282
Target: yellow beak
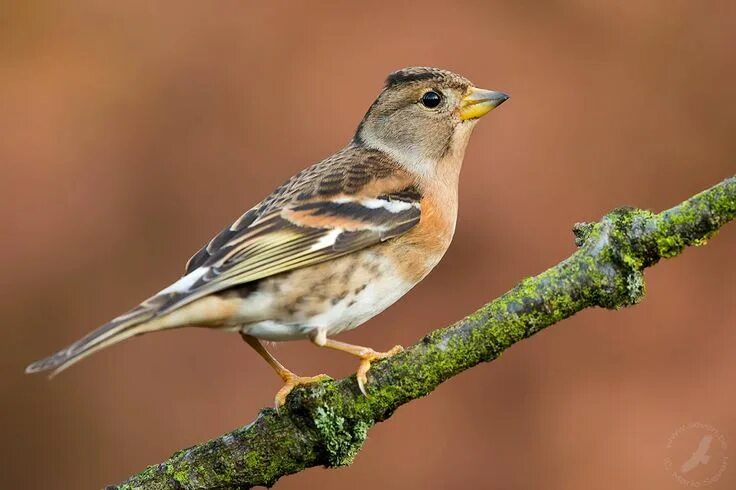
480,102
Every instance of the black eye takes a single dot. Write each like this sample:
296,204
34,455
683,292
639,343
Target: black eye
431,99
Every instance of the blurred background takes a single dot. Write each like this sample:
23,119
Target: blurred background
131,132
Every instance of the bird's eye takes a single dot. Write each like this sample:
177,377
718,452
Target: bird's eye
431,99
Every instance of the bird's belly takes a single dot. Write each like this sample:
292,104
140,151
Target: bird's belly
334,296
276,331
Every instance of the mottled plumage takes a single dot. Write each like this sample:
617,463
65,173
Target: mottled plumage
337,243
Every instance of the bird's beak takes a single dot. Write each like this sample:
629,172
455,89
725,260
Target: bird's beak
480,102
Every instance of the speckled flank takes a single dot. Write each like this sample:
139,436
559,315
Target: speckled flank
337,295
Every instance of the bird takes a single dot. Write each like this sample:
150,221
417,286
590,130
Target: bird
336,244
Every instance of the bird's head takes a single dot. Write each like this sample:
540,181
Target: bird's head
425,114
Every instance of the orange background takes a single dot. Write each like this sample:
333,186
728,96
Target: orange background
130,132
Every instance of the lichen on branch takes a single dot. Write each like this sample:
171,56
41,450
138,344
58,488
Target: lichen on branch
326,424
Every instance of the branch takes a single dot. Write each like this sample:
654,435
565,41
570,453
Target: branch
326,424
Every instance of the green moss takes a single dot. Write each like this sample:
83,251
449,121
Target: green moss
341,440
148,479
696,220
582,231
704,240
252,459
635,287
182,476
669,246
632,261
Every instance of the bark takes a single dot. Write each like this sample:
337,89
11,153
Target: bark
326,424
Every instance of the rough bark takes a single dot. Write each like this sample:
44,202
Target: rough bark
326,424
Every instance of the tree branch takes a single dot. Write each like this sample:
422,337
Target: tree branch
326,424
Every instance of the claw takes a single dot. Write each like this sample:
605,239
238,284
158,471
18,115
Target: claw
291,382
365,365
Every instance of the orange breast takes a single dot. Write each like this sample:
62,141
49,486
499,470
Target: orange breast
417,252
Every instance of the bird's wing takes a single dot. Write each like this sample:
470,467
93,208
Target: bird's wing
353,200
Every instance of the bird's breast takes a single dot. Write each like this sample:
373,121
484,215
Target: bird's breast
417,252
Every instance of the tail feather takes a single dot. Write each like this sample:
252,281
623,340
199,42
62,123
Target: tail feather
121,328
150,316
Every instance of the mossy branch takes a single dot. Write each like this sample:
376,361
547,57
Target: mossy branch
326,424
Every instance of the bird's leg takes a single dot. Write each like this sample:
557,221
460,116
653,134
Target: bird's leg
366,355
291,380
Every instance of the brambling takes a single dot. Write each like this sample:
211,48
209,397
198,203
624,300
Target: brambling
337,243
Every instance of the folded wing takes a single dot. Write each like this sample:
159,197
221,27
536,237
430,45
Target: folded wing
353,200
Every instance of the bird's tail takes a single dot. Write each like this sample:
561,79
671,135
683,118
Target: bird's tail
160,312
137,321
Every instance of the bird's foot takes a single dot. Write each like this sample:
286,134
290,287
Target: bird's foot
365,364
291,381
